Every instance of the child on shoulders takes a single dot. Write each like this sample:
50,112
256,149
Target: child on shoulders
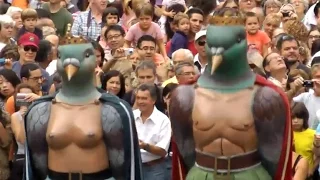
145,26
180,37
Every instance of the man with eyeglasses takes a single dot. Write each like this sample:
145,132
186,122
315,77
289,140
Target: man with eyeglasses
200,59
114,37
179,56
146,47
30,74
28,46
185,72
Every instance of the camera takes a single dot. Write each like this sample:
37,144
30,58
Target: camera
128,51
285,14
20,100
307,83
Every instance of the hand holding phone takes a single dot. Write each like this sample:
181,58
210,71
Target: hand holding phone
21,100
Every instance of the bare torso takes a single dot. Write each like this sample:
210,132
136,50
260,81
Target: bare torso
75,139
223,124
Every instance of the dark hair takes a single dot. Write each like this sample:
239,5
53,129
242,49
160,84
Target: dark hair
4,8
176,8
169,88
42,13
315,47
98,47
107,11
149,87
206,6
146,38
110,74
24,85
118,6
10,76
10,51
316,9
26,68
149,64
299,110
114,28
194,10
251,14
284,38
44,50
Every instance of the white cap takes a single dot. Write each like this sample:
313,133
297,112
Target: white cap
200,34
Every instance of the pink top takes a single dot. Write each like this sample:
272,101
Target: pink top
135,32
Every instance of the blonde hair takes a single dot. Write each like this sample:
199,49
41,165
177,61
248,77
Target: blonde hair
12,10
273,18
47,30
29,13
145,9
6,19
178,17
134,5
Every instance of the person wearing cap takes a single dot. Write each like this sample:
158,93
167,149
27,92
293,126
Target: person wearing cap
28,48
200,59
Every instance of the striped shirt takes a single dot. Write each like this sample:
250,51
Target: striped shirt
86,25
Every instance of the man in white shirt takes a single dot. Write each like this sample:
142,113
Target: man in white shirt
154,133
54,40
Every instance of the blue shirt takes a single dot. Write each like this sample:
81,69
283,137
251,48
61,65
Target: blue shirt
178,41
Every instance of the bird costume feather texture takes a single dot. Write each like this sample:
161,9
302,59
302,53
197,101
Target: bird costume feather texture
203,124
119,132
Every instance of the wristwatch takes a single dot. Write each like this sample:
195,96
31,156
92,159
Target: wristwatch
147,147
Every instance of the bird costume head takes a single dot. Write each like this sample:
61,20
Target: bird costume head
226,50
76,58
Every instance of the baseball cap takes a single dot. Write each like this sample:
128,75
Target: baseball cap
200,34
29,39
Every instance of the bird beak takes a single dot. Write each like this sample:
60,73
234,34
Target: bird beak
216,61
216,58
70,70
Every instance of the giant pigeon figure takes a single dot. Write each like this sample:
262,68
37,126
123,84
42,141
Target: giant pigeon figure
234,124
80,133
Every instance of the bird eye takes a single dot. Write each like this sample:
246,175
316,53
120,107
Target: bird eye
87,53
239,40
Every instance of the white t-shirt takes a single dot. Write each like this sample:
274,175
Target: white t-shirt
312,103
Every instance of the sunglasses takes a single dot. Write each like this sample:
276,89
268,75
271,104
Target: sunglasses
28,48
201,43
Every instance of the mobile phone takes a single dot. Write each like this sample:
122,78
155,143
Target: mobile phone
128,51
20,100
285,14
2,61
307,83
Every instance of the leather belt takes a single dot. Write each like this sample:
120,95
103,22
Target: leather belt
153,162
225,163
104,174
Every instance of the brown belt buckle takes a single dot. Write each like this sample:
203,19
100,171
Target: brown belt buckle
70,175
221,176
